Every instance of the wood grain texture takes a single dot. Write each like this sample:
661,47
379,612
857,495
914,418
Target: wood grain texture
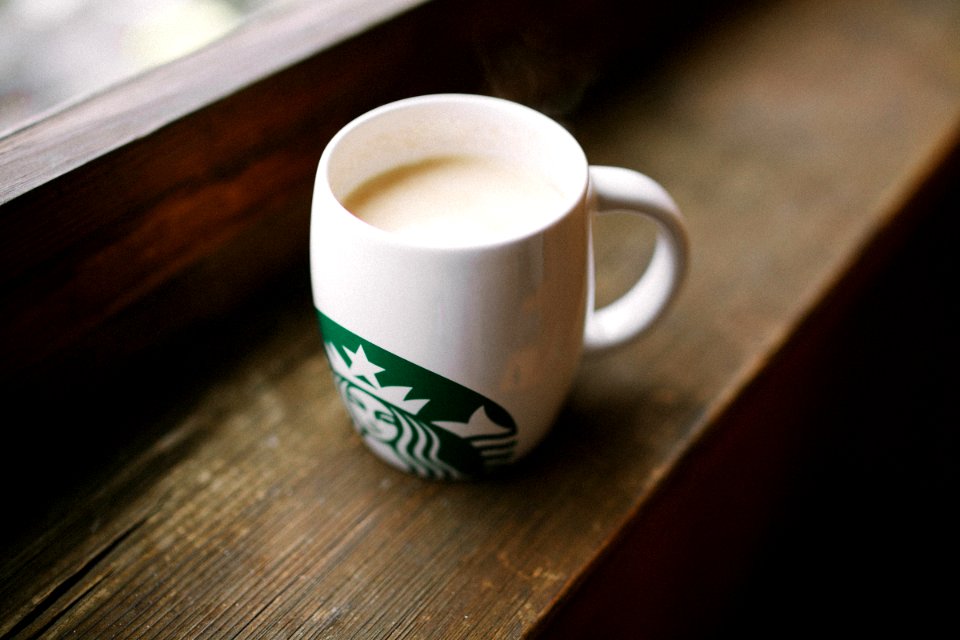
56,143
150,186
792,135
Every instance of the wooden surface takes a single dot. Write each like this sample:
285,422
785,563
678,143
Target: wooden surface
140,184
230,497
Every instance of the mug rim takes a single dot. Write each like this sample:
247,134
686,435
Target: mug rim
573,197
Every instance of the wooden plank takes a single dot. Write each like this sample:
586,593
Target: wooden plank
56,143
259,514
148,186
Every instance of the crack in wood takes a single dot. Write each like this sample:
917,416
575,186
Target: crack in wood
63,589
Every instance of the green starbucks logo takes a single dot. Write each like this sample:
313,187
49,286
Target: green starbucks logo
413,418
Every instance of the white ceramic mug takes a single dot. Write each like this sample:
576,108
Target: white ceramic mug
454,358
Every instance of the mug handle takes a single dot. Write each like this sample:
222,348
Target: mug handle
626,318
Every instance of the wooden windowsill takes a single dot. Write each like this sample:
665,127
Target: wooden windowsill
211,486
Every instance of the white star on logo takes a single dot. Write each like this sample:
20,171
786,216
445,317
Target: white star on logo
479,425
361,367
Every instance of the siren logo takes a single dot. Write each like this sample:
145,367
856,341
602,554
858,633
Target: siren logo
415,419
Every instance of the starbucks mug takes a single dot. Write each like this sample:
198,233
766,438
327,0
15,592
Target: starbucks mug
454,350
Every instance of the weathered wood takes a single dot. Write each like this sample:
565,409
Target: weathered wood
135,186
258,513
53,144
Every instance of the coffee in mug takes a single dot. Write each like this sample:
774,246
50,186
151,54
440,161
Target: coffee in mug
456,200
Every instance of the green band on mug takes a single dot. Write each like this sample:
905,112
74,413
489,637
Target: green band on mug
416,419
